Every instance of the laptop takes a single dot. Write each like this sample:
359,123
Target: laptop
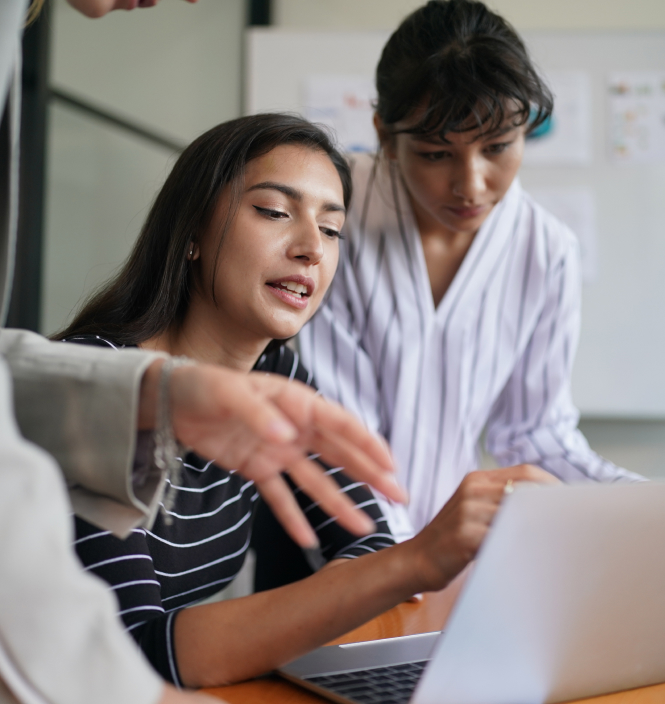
566,600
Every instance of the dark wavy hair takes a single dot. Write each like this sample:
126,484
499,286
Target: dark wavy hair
465,65
152,289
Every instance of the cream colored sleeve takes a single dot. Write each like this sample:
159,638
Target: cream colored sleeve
80,404
60,638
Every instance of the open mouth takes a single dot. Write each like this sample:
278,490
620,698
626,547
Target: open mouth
295,289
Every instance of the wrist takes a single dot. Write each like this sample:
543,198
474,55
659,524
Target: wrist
408,566
432,572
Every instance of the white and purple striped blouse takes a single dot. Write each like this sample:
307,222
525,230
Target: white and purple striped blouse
495,355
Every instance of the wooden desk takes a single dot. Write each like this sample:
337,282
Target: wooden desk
405,619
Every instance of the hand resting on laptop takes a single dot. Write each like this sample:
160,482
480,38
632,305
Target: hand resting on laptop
454,537
319,608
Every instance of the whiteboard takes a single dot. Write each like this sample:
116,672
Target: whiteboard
620,365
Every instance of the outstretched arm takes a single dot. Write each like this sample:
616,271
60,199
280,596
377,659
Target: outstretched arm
84,404
279,625
261,424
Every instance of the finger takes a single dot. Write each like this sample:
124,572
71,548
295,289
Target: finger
332,419
337,435
336,450
485,509
321,488
524,473
481,487
277,494
314,413
537,474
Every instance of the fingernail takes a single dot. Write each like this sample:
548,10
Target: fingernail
401,494
369,526
281,431
314,545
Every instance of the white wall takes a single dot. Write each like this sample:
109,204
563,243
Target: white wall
524,14
100,183
176,69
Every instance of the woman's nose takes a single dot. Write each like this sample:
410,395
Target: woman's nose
306,243
469,179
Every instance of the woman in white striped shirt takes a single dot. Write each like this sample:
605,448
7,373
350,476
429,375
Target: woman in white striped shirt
236,254
456,304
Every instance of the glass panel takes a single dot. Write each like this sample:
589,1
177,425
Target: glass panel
101,182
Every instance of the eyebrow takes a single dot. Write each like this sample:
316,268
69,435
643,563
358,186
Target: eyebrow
499,132
436,140
294,194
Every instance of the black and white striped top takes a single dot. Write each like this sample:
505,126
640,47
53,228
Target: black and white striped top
495,354
155,573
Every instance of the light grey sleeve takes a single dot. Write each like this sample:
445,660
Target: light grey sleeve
12,17
60,638
80,404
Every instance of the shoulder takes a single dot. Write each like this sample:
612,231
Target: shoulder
94,340
365,170
362,166
373,207
547,232
285,362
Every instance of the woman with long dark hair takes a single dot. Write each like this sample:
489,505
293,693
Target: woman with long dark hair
456,306
236,254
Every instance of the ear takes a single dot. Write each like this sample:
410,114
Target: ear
386,137
194,252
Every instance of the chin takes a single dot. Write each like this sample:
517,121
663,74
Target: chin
282,336
281,332
286,329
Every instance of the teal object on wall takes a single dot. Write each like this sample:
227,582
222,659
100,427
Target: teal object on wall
543,129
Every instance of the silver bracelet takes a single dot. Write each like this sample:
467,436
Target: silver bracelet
168,452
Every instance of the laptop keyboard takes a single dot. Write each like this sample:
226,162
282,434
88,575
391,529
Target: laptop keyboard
393,684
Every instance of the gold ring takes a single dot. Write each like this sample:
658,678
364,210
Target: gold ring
509,487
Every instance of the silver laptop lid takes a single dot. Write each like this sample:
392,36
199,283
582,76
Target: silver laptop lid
567,600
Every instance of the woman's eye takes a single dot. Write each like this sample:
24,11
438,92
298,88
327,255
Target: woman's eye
497,148
271,213
433,156
332,233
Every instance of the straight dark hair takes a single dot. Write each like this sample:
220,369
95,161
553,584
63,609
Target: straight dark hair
465,65
152,289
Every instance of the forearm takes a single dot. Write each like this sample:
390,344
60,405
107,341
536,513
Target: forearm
74,400
564,451
234,640
230,641
80,403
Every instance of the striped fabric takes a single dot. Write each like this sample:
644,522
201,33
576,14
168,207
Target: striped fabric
155,573
496,354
